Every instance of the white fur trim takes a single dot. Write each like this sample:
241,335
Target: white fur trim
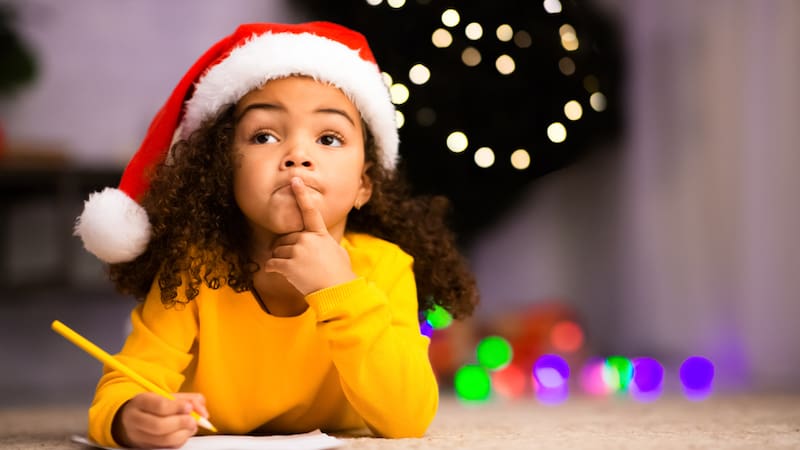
113,226
270,56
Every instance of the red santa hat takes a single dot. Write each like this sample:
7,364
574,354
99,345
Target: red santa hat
115,228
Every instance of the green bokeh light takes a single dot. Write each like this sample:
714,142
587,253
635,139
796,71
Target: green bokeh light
439,318
618,373
472,383
494,352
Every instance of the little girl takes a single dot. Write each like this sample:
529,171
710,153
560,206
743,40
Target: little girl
282,263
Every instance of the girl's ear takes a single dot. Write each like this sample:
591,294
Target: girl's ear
365,190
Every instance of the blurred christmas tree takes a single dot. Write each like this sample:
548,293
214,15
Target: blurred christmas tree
520,88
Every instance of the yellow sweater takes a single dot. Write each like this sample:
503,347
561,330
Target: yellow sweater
354,358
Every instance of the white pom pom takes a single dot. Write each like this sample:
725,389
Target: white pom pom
113,226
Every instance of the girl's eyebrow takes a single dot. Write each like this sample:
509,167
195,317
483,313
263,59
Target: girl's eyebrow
274,107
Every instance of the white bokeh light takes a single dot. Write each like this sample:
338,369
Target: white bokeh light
484,157
399,93
419,74
520,159
473,31
505,33
457,142
556,132
552,6
505,64
399,119
598,101
573,110
441,38
450,18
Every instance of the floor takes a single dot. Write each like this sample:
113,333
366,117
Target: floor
721,422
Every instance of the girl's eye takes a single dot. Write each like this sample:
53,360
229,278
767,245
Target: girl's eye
330,140
264,138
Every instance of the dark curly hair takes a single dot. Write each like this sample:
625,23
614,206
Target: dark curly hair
200,236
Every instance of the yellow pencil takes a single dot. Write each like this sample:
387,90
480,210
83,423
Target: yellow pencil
105,358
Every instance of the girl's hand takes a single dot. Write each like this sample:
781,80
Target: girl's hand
310,259
150,420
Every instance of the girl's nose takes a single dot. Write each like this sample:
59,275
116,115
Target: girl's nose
297,157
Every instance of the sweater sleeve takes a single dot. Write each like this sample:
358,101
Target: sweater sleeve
158,348
371,325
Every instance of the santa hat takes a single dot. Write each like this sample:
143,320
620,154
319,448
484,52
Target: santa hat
115,227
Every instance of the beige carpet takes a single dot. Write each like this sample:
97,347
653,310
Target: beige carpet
722,422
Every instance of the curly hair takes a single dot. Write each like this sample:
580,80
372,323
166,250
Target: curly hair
200,236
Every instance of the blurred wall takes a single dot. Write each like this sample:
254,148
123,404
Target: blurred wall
685,241
107,67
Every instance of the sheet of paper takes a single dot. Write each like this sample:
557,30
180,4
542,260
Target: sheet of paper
314,440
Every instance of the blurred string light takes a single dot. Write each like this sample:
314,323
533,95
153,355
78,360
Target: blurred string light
399,119
387,79
619,374
523,39
556,132
472,383
552,6
473,31
484,157
520,159
598,101
441,38
505,64
566,336
419,74
550,379
648,379
573,110
697,377
399,93
569,39
439,318
494,352
459,49
566,65
592,378
504,33
457,142
510,381
471,56
450,18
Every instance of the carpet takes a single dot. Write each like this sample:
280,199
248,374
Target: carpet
767,421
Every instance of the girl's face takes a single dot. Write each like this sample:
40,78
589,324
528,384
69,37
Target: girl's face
291,127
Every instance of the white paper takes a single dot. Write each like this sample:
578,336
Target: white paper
313,440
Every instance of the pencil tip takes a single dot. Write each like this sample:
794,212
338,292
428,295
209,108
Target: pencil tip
203,422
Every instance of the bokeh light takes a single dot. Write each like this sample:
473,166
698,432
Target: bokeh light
471,56
566,336
505,64
697,376
450,18
472,383
593,376
573,110
439,318
457,142
523,39
510,381
504,33
441,38
494,352
399,93
619,373
396,3
419,74
556,132
520,159
648,379
598,101
484,157
425,328
552,6
387,79
473,31
569,39
566,65
399,118
550,371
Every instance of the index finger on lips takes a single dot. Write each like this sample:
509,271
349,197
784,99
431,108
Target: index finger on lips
312,218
